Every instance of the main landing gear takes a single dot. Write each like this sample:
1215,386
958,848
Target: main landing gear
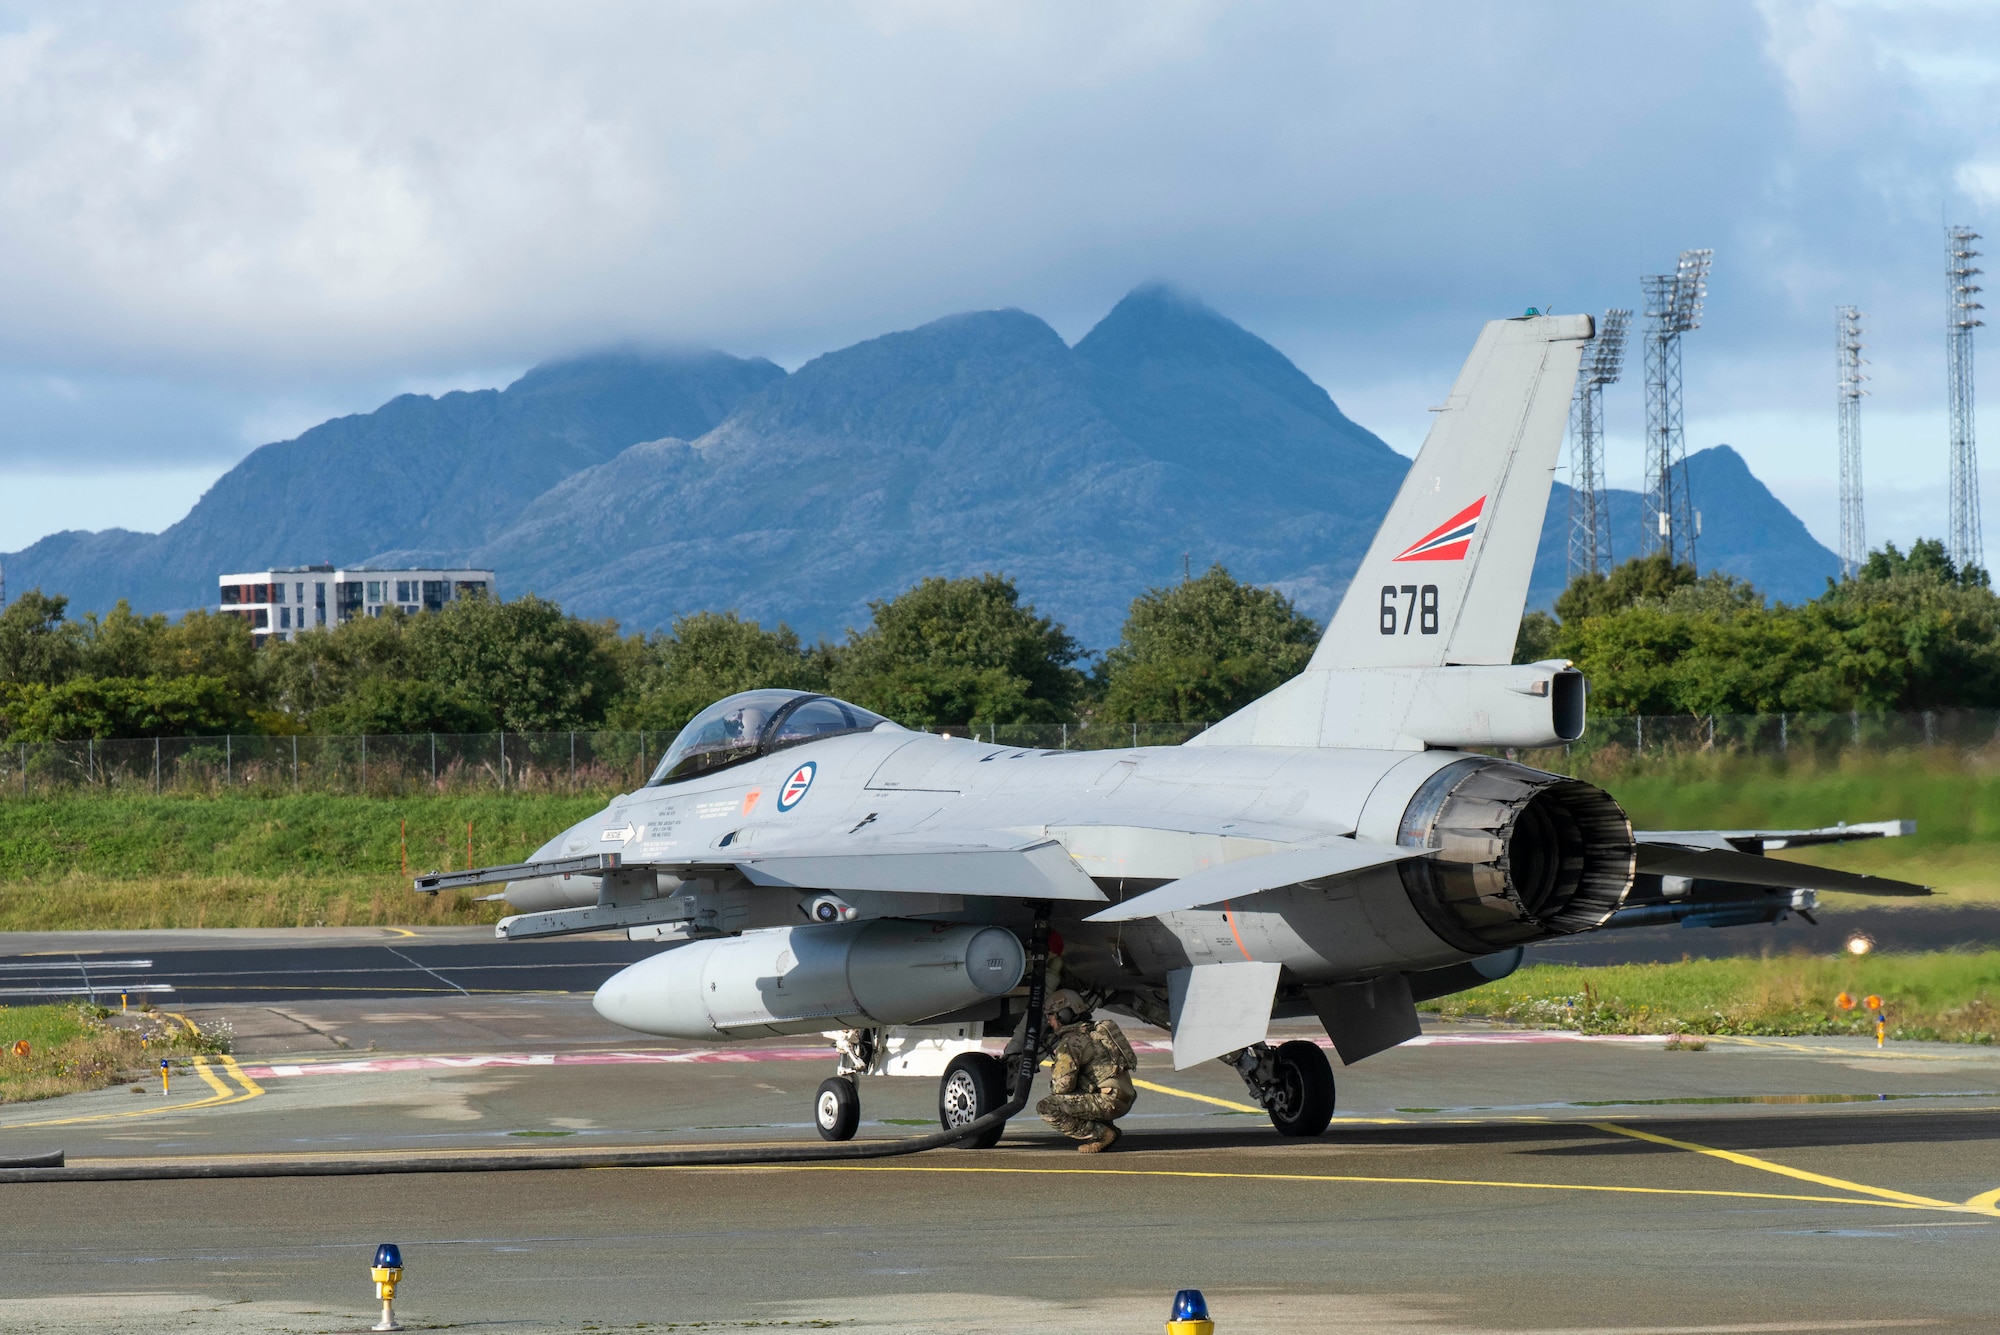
973,1084
1293,1082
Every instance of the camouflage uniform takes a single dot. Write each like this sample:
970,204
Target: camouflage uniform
1091,1085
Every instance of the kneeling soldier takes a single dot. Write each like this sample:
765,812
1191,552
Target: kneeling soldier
1091,1085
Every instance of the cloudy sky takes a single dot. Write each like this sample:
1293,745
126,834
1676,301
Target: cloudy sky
223,222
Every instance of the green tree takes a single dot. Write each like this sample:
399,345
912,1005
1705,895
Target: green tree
123,707
37,645
534,668
121,643
325,666
707,656
1910,632
1927,560
953,651
385,705
1199,650
1592,594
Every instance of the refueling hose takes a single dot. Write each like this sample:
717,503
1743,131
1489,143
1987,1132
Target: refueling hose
49,1168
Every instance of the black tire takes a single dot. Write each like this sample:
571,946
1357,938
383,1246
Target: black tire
973,1085
1305,1090
837,1109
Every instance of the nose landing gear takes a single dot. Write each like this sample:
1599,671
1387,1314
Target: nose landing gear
837,1109
1293,1082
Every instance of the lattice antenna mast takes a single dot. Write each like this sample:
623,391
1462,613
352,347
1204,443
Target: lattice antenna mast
1589,509
1673,307
1963,524
1847,346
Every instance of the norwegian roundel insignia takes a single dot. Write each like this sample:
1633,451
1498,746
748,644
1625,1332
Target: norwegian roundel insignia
795,787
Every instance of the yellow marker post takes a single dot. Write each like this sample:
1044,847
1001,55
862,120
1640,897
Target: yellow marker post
121,1003
163,1077
387,1272
1874,1003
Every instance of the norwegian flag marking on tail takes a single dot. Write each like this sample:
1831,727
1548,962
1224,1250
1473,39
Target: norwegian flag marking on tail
1448,541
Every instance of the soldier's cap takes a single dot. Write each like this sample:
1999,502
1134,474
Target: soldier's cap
1064,1007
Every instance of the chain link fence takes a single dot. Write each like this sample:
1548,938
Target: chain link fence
386,766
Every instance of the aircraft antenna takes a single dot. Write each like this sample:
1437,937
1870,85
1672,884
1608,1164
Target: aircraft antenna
1589,502
1673,308
1853,531
1965,538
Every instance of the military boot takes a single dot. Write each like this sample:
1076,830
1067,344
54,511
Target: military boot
1111,1136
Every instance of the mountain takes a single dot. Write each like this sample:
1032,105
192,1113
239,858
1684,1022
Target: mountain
978,442
441,474
642,486
1745,531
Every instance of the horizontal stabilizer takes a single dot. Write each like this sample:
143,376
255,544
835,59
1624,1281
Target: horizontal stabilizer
1218,1008
1233,880
1751,841
1721,864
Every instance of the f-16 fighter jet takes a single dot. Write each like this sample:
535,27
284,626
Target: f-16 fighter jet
1345,847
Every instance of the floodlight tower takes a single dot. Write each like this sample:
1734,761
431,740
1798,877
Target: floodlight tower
1673,307
1589,511
1847,346
1963,524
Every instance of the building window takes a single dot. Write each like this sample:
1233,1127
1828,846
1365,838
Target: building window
263,619
374,590
278,593
435,592
284,617
231,595
300,589
402,591
466,586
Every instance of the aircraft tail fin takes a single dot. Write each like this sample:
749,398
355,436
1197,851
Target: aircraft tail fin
1417,652
1446,578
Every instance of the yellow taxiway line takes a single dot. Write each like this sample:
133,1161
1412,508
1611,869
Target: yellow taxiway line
1300,1177
222,1094
1785,1170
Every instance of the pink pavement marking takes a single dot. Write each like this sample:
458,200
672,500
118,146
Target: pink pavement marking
385,1065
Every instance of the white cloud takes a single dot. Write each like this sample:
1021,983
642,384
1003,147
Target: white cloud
220,220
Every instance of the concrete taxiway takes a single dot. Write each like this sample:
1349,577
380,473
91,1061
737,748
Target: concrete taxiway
1476,1180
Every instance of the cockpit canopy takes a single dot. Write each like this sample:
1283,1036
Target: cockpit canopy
756,723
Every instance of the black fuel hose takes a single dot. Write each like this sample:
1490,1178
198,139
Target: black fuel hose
48,1168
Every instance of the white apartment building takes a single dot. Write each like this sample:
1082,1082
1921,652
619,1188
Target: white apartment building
283,601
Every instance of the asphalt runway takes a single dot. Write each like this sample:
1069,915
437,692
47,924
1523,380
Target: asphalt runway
195,968
1475,1180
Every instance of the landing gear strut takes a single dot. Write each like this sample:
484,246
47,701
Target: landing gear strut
1293,1082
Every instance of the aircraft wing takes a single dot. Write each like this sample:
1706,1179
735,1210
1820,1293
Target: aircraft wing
1035,870
1709,863
1233,880
1041,870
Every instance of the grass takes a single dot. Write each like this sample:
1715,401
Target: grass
1941,997
152,862
75,1048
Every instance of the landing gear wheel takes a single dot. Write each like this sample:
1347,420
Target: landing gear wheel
974,1084
1304,1097
837,1109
